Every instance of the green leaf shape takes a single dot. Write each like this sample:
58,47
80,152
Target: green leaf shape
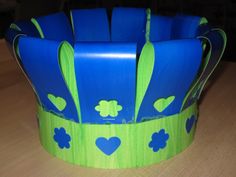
108,108
58,102
66,60
203,21
36,24
162,103
15,27
144,74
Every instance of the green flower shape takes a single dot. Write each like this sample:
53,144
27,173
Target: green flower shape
108,108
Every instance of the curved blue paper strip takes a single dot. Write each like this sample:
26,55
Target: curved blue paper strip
27,27
106,71
11,37
56,27
129,25
160,28
185,26
91,25
40,61
175,68
217,45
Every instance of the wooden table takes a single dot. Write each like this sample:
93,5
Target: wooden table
213,152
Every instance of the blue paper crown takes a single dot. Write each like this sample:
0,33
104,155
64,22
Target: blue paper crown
126,95
105,62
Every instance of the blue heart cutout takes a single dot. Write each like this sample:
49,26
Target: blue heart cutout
108,146
189,123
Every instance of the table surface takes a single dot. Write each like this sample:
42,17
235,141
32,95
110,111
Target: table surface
213,152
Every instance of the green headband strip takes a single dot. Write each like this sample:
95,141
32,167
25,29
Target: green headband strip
117,145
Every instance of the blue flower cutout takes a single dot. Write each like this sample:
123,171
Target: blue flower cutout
62,138
159,140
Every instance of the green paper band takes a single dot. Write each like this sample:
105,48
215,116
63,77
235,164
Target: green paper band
134,150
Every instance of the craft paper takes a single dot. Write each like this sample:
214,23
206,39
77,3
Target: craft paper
54,27
185,26
128,25
161,27
121,98
90,25
172,75
106,78
40,61
216,40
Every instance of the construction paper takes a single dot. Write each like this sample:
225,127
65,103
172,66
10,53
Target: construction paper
106,71
128,25
172,75
40,60
66,61
12,36
144,74
116,145
54,27
161,27
216,40
95,101
184,26
90,25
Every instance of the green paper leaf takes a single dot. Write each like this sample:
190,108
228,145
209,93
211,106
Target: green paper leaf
162,103
66,60
203,21
15,27
36,24
144,74
58,102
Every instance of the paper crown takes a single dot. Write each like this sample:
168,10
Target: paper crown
120,96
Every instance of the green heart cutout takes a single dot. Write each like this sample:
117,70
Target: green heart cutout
58,102
162,103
